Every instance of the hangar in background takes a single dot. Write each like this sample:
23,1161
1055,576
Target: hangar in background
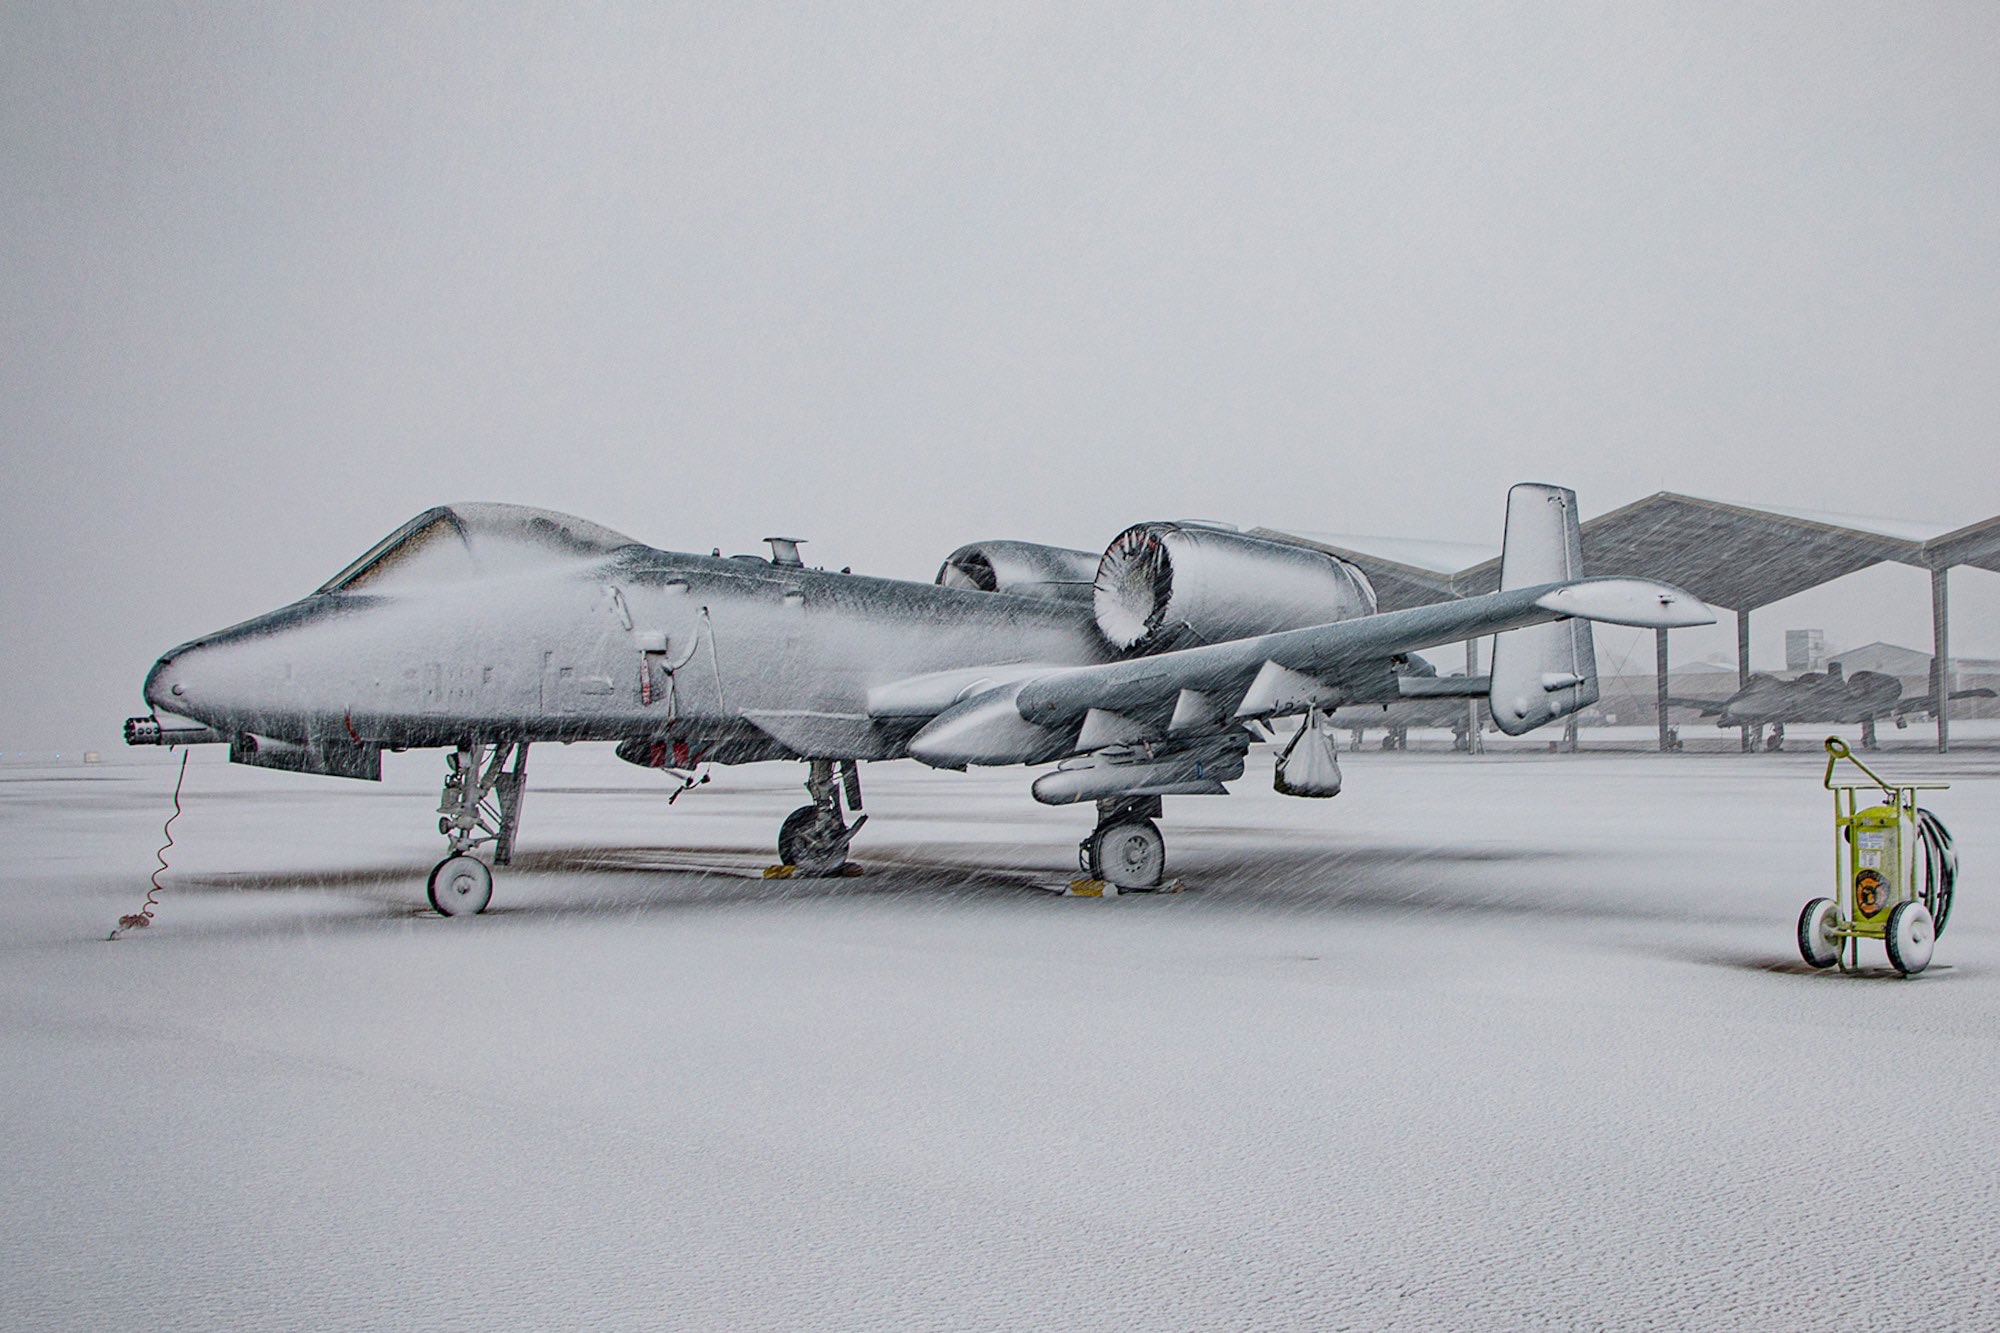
1733,556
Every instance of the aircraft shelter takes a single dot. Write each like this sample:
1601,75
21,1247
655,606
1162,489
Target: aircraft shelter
1735,557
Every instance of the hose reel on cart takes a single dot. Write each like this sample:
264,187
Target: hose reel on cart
1895,872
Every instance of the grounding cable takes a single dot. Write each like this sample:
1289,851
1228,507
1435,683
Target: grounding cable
144,916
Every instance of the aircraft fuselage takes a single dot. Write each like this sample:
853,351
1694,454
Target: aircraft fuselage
735,658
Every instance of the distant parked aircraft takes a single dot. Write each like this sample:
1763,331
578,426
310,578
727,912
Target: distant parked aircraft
1820,697
1431,701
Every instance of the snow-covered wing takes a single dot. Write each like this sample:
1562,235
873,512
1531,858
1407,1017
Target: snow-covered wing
1333,653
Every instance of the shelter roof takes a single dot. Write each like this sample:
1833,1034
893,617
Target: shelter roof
1889,658
1734,556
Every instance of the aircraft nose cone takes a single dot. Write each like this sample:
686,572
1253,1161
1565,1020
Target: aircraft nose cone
166,686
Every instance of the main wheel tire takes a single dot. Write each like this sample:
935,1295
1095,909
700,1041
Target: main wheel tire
1130,854
1910,937
460,886
799,844
1818,945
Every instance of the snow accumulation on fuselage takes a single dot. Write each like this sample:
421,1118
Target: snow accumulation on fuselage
481,623
508,621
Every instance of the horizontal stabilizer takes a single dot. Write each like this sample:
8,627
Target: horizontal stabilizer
1620,601
1928,703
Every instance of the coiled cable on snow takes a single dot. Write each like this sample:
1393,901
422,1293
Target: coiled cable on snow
144,916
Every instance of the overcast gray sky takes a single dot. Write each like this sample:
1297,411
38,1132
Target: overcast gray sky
274,278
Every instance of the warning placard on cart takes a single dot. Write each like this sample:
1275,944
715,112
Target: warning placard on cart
1868,895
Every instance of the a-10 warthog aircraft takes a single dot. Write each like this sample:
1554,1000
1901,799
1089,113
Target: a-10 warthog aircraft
1830,696
1135,675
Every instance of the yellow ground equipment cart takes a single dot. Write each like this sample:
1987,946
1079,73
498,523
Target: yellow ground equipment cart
1894,870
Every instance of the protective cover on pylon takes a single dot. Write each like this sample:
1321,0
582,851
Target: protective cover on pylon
1309,766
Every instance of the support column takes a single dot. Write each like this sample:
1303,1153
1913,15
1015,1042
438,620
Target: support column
1743,666
1660,666
1941,656
1474,744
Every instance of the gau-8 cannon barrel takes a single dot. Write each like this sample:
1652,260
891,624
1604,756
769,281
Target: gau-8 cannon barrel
177,731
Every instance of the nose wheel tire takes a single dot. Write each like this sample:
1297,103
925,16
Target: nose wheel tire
1910,937
461,886
806,841
1818,945
1130,854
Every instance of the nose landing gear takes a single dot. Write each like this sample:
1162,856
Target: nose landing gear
480,807
814,838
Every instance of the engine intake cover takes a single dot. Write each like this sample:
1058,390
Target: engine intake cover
1167,585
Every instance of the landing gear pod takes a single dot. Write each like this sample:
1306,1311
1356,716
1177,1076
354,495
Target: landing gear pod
1894,874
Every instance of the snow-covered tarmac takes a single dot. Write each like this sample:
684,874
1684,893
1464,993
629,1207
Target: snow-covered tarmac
1514,1041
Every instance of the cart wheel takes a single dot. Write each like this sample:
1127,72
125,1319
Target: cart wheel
1910,936
1818,945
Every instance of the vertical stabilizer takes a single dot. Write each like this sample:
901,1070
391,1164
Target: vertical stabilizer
1545,671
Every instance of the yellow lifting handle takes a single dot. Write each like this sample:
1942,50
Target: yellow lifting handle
1836,750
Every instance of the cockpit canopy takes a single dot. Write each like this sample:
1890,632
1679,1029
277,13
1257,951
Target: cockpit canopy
453,543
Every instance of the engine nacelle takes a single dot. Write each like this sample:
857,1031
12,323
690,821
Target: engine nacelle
1054,573
1167,585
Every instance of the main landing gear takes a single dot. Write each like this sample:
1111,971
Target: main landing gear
1126,849
814,838
480,807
